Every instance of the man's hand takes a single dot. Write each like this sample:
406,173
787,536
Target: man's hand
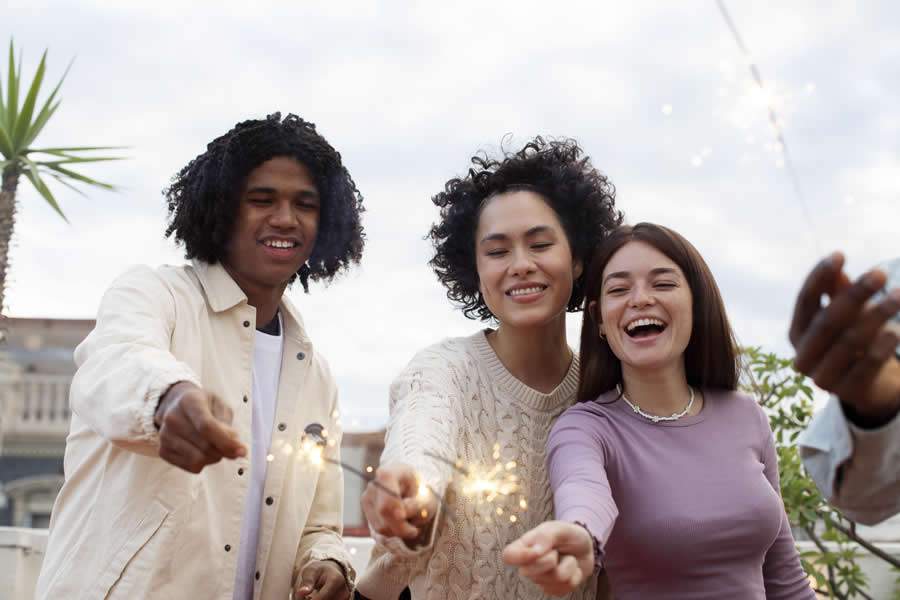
846,347
195,428
406,516
322,580
556,555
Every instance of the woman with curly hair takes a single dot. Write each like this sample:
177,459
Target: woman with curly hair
189,365
511,246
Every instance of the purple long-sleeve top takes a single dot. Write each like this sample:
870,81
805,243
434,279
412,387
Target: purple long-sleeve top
686,509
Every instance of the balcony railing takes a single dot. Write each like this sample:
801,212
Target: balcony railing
37,405
22,551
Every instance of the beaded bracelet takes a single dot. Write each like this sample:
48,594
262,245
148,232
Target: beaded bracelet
595,542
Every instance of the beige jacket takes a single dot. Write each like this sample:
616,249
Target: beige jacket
129,525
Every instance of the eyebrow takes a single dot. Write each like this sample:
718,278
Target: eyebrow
493,237
261,189
626,274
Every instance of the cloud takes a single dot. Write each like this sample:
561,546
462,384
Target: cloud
408,92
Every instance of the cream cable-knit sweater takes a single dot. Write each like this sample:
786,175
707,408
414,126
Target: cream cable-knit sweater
457,400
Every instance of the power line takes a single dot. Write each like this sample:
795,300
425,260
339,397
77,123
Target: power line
773,119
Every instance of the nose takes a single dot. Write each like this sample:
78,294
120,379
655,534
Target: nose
641,296
283,215
521,264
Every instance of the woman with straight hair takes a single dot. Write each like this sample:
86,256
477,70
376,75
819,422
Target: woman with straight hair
663,474
510,247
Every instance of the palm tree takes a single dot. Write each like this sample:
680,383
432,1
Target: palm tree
20,125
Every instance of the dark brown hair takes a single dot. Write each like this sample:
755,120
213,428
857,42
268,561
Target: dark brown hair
711,358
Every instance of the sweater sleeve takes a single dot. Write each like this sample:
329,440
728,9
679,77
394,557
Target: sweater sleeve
576,462
783,575
422,426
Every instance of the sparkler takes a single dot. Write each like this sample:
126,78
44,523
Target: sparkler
484,484
487,484
312,448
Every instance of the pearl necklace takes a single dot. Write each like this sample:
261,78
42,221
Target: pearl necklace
657,418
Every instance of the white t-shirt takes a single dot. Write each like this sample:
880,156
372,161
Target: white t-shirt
267,354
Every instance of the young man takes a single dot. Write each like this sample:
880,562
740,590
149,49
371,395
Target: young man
850,348
208,361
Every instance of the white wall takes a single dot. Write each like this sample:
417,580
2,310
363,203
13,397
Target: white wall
21,552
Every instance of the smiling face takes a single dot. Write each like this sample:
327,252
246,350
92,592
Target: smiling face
276,225
646,308
524,260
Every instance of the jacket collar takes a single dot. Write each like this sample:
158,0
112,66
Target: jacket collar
221,290
223,293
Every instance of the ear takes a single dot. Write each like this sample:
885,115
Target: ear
577,268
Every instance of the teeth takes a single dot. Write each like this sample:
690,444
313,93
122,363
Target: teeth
279,244
643,322
523,291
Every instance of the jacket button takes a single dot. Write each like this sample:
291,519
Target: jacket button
270,501
227,547
257,575
246,399
246,323
282,427
241,471
301,355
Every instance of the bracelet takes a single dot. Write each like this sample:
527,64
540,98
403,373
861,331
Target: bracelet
350,585
594,541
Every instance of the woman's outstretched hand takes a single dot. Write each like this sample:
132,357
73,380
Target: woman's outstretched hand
395,505
556,555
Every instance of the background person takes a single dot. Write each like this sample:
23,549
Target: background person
850,348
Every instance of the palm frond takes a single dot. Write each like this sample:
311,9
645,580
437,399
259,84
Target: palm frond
79,159
61,179
77,176
12,90
31,172
2,106
46,111
62,151
23,123
22,119
6,145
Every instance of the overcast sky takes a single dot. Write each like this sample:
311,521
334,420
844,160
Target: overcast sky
660,98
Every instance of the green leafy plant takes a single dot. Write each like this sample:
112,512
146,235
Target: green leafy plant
787,398
22,120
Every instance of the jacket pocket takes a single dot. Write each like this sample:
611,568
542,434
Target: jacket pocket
127,568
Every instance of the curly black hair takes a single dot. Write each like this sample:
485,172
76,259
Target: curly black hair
582,197
203,197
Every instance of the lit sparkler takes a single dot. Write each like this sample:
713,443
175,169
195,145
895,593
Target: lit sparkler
312,449
484,484
489,484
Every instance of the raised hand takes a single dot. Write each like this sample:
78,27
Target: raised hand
395,507
556,555
195,428
847,347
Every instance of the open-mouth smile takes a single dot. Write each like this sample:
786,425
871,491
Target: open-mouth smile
645,327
